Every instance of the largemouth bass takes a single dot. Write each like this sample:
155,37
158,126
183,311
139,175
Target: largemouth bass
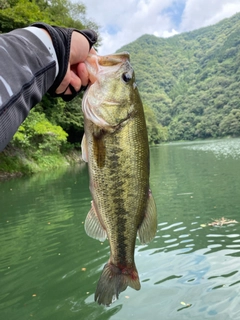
115,145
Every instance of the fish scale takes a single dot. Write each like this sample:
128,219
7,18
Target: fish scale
116,148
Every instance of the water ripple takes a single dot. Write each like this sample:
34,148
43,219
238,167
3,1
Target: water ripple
220,148
49,267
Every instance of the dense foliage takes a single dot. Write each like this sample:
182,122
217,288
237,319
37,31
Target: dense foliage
53,125
21,13
191,80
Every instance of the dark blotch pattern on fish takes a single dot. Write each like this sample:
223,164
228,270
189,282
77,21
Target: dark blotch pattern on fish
119,206
99,148
118,153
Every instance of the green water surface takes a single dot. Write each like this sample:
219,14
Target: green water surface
49,267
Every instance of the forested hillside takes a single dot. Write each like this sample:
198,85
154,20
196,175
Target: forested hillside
191,81
53,127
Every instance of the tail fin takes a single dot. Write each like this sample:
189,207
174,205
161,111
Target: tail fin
113,281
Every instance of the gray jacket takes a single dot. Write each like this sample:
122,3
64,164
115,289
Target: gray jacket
27,71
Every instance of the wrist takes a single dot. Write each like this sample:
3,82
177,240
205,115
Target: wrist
46,39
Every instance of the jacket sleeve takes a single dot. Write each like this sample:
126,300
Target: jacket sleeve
27,71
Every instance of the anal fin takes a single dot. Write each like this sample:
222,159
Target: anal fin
93,226
148,228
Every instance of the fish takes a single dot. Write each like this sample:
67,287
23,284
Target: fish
115,146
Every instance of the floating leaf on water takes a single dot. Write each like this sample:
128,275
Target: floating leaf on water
221,222
185,304
184,194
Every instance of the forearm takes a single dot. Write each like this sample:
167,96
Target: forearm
28,70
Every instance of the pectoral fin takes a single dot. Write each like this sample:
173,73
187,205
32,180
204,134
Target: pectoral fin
148,228
84,149
93,226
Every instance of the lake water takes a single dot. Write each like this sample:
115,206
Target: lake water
49,267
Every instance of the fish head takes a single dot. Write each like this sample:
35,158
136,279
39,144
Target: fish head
109,99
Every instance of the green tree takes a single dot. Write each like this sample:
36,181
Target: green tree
21,13
50,111
231,124
37,133
156,132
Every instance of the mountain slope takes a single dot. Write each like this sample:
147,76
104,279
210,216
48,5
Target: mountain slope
191,80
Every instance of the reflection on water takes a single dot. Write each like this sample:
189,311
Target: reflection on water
221,148
49,267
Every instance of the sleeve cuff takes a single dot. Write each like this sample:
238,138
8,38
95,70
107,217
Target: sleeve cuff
47,42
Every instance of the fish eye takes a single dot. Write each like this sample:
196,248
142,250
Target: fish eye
126,77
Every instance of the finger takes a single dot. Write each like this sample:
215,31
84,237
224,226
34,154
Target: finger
64,84
93,51
75,81
82,73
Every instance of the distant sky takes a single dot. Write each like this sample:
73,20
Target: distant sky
123,21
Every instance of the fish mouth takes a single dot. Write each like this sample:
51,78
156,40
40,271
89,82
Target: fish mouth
95,64
113,59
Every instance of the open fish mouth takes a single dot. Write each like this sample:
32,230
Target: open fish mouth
104,66
94,63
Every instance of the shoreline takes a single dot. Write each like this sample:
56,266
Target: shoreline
10,175
14,163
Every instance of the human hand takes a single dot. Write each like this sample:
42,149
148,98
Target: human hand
77,74
72,47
